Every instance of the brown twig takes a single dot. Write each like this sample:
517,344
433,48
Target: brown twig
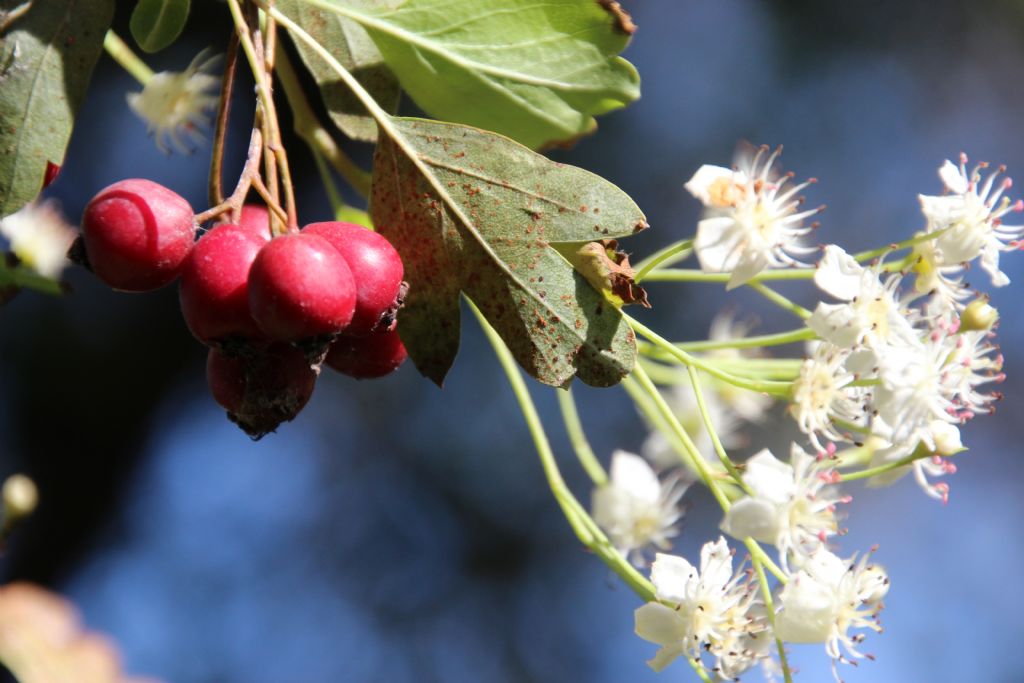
250,173
216,187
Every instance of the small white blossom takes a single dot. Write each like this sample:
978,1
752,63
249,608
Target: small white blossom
39,236
823,393
912,392
634,508
792,505
929,462
752,219
173,102
970,217
972,361
871,314
827,598
934,277
714,609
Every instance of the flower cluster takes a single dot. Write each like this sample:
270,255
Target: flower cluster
899,355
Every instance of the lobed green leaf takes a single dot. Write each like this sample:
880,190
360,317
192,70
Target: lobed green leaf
475,212
353,48
536,71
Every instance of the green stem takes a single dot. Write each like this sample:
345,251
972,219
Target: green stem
581,522
698,668
766,593
23,278
696,459
694,275
129,61
781,389
578,438
308,127
673,253
755,342
757,551
710,427
897,246
889,467
780,301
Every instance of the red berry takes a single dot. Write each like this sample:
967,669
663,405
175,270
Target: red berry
214,291
261,391
373,355
52,171
300,287
376,267
256,219
137,234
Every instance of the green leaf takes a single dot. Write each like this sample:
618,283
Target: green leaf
475,212
46,59
353,48
156,24
536,71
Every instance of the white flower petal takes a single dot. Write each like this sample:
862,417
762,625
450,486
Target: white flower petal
659,624
808,610
716,185
768,477
838,274
952,178
752,517
634,476
674,578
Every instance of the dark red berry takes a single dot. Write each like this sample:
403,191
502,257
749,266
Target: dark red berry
52,171
300,287
376,267
367,357
263,390
256,220
214,291
137,234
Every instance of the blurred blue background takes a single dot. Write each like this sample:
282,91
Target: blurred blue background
395,532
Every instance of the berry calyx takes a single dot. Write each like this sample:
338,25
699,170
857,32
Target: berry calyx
263,390
136,235
376,267
300,288
367,357
214,290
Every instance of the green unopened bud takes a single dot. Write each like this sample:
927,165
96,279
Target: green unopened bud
20,497
978,316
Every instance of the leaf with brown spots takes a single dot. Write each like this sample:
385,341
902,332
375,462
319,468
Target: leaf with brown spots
352,47
474,212
46,58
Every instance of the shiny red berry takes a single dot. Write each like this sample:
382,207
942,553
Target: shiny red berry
137,235
214,290
256,220
263,390
367,357
300,287
376,267
52,171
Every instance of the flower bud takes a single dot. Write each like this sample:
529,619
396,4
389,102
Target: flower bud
20,497
978,316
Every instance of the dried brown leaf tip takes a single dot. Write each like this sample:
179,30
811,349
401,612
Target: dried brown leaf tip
623,22
607,269
42,641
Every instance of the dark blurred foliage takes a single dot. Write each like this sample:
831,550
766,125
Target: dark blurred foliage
394,532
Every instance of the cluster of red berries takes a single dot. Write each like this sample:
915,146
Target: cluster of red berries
271,310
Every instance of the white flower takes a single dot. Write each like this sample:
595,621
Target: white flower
872,314
752,219
822,394
912,392
945,438
970,217
712,610
634,508
972,361
39,236
827,598
172,102
933,276
791,506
